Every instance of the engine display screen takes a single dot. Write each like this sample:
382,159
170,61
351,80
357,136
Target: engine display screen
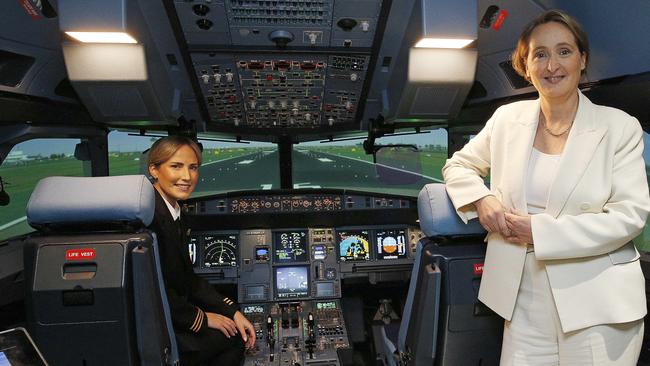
291,282
353,245
391,244
290,246
220,251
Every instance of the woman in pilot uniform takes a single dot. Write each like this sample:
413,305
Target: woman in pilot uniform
568,193
209,329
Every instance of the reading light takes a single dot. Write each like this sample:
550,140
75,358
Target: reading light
102,37
442,43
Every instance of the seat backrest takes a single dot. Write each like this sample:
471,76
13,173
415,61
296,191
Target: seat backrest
438,219
94,274
69,201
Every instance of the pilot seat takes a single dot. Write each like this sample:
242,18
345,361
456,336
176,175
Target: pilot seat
443,322
95,294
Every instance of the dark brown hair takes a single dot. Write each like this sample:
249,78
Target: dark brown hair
521,52
163,149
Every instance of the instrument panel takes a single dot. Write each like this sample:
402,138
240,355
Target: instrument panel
289,203
292,255
300,263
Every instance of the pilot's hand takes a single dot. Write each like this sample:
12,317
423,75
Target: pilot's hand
246,329
223,323
518,223
491,214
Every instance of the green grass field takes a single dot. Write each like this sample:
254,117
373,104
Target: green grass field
22,179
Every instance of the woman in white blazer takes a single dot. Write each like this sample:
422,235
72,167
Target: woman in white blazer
568,193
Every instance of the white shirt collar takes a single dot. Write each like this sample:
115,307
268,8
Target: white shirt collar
175,211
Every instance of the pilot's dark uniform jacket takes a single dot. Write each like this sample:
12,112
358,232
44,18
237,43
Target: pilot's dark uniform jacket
190,297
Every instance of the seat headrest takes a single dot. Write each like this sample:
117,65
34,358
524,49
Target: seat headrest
91,200
438,216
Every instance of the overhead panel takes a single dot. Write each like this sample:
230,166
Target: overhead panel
280,64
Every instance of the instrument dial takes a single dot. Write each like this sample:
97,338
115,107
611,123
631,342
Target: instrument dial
220,251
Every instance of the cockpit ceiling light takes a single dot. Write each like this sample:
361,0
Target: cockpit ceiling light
102,37
443,43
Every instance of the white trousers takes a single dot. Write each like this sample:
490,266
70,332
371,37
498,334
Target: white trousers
534,336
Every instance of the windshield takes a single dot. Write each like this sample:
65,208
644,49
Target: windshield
345,164
26,164
226,166
229,167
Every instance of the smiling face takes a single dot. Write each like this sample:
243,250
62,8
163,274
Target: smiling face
554,62
177,176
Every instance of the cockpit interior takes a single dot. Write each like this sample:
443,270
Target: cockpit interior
321,123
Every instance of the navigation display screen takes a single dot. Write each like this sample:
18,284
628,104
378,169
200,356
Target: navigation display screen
290,246
391,244
291,282
353,245
219,251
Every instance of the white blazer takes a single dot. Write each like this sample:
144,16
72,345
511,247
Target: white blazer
597,204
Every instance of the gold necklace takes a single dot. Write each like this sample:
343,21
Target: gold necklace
555,134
